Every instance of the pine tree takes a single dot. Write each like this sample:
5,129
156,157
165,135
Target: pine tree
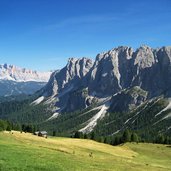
126,136
8,128
160,139
117,140
78,135
17,127
166,140
93,136
107,140
3,125
134,137
85,136
54,133
101,139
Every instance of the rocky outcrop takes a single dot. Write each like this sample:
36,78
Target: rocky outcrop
153,72
64,88
69,77
128,99
111,72
122,68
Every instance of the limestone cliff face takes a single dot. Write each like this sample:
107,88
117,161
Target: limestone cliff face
128,99
61,90
152,71
122,68
111,71
68,78
117,70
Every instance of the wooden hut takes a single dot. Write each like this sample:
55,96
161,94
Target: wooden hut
41,133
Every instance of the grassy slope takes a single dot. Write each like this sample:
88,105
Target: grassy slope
23,152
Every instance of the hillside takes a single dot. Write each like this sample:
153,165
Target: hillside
23,151
123,88
148,120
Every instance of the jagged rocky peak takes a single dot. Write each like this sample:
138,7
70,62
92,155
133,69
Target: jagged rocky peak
69,76
125,52
7,66
14,73
164,55
79,67
167,50
75,70
144,57
51,87
12,69
111,69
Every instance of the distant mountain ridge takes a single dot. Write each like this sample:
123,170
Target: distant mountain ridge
14,73
15,80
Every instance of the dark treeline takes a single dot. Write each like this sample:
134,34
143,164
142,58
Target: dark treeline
126,136
8,126
5,125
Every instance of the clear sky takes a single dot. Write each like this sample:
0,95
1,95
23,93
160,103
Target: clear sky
43,34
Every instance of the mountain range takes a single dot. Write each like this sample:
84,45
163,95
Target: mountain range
122,88
15,80
118,81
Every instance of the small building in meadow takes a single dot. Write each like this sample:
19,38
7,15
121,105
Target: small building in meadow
41,133
36,133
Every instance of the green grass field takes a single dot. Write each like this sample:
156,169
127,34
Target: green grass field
26,152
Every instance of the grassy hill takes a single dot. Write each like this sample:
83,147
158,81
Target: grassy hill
23,152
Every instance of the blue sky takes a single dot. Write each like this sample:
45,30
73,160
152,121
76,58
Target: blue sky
43,34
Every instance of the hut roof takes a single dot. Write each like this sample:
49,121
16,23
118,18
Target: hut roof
43,132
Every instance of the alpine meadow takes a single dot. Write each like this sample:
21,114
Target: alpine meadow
85,85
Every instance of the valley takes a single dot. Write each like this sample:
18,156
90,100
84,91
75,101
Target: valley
85,85
106,96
